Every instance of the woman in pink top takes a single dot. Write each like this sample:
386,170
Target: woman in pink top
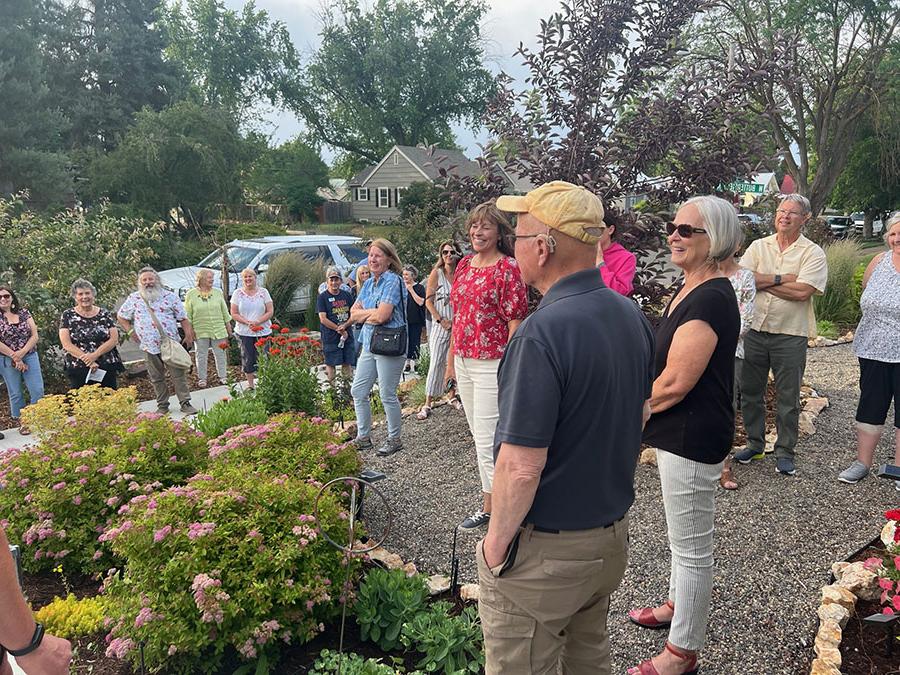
489,301
616,265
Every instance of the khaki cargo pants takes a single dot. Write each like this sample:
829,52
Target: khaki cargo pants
548,606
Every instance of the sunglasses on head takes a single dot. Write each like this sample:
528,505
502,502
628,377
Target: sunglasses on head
684,231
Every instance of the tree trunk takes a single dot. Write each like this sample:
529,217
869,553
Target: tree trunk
867,222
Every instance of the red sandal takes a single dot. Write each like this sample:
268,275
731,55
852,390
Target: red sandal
647,667
644,617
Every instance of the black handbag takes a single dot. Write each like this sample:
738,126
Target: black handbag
391,341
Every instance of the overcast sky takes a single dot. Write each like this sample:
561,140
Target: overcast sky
507,23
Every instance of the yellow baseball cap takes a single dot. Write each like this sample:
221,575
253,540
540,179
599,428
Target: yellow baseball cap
561,206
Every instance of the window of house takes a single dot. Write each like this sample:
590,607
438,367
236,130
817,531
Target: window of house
362,194
398,194
384,198
396,158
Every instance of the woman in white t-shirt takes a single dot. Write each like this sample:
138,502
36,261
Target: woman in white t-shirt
251,309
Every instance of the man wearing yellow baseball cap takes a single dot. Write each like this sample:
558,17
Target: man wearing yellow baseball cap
573,385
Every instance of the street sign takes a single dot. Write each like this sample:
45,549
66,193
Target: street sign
754,188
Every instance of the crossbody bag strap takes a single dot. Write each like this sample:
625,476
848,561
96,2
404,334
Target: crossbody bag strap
159,328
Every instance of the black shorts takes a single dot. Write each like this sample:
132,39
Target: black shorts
879,383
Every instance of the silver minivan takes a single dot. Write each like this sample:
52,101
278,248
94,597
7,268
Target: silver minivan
342,251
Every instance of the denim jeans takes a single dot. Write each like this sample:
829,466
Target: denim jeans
14,379
388,370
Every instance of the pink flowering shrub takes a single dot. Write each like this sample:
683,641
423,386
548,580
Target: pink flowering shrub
887,567
60,497
290,443
233,561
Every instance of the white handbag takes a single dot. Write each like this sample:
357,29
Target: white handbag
170,351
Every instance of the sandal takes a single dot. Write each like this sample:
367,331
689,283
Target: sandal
424,413
456,402
24,431
726,480
201,384
645,618
647,667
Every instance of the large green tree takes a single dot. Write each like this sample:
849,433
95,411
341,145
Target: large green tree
186,157
31,123
822,64
397,71
871,180
105,63
290,174
233,60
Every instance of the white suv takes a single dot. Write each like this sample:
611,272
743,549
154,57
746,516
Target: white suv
344,252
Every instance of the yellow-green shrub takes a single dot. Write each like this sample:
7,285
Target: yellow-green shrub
91,405
71,617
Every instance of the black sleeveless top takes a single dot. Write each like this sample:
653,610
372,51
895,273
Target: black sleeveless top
701,426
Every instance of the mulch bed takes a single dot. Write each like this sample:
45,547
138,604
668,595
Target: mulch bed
863,647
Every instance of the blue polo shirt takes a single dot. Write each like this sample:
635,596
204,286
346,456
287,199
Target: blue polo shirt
574,379
389,288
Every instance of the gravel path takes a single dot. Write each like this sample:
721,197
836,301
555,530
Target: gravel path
776,537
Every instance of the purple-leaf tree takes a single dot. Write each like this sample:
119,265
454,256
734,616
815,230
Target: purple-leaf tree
611,104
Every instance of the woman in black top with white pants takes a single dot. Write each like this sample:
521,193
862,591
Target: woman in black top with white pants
692,422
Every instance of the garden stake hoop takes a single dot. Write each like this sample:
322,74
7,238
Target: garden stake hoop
358,485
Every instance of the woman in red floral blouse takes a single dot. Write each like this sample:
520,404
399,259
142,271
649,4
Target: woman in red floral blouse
489,301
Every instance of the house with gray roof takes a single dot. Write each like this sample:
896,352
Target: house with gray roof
377,191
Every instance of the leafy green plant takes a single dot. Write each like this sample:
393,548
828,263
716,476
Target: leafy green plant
234,558
287,378
826,329
231,411
386,600
350,664
858,274
837,303
72,618
450,644
424,361
59,495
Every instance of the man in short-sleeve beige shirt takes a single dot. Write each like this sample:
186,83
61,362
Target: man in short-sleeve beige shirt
803,258
789,271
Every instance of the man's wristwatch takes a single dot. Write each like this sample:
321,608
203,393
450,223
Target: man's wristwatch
35,642
778,280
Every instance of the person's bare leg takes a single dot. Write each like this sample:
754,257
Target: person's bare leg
897,446
347,370
251,380
487,502
866,442
329,372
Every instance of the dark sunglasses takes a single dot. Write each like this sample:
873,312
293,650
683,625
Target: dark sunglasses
684,231
3,296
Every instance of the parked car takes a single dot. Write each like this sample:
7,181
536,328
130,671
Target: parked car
841,226
344,252
859,220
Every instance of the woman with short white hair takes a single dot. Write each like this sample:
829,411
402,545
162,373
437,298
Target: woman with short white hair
211,319
90,339
692,421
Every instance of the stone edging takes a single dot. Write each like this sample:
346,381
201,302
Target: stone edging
827,342
853,581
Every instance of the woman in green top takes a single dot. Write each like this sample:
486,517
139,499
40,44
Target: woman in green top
209,315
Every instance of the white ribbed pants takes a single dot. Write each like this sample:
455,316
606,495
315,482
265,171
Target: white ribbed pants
689,498
201,353
477,385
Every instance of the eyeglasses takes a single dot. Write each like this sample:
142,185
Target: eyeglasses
785,212
448,252
684,231
4,296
